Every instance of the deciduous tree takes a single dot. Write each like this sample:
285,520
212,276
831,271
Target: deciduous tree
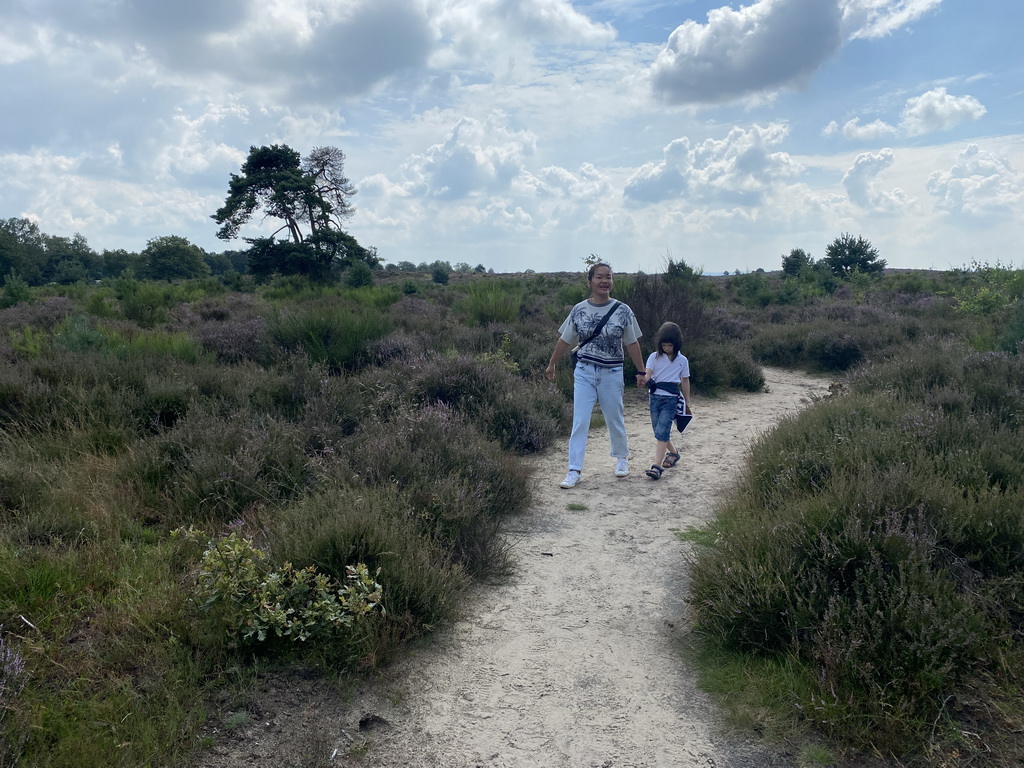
173,258
795,262
848,254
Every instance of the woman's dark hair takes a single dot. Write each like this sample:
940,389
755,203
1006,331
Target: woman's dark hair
593,269
670,333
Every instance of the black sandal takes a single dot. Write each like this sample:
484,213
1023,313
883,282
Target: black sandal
654,472
671,459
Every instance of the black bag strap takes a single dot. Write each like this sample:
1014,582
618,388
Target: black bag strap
600,325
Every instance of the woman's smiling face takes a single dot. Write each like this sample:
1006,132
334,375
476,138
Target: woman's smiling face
601,283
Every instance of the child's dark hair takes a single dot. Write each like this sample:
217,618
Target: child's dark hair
670,333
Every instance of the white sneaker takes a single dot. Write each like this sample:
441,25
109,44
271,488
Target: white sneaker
571,479
621,468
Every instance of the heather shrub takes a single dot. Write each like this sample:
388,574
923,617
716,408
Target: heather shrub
527,418
25,399
212,468
780,345
336,408
341,525
396,347
461,485
524,416
727,325
43,315
832,351
422,318
714,368
12,683
234,341
876,539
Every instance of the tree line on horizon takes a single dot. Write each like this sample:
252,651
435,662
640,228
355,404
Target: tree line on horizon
311,198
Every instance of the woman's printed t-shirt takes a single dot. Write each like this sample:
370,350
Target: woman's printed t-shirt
606,350
666,369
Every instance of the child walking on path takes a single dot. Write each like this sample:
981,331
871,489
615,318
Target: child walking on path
667,376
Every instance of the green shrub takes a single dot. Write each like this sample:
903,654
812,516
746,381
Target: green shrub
359,275
329,334
250,601
489,301
144,302
1011,336
15,291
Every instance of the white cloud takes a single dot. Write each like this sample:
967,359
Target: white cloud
739,169
854,131
760,47
476,157
878,18
933,111
65,199
861,185
497,38
936,110
980,185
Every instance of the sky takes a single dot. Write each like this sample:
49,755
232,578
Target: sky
531,134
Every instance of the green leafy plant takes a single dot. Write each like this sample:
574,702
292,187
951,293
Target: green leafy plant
253,601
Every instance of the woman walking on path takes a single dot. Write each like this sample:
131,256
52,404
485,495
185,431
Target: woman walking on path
667,375
600,327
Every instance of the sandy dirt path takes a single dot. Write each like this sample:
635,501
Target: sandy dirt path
574,662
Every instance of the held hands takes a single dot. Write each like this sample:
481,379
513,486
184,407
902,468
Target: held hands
641,379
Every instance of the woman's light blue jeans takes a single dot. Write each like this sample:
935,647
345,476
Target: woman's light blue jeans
603,386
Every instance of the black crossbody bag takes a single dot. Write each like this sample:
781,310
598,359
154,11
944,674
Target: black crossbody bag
597,330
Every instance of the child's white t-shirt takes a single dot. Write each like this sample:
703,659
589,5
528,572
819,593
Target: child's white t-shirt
666,369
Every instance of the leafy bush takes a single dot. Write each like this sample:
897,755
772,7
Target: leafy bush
251,601
359,275
15,291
